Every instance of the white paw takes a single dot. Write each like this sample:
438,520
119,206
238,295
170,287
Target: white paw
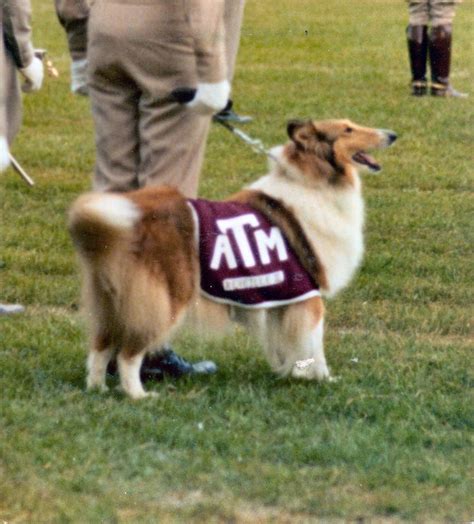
143,394
309,369
101,388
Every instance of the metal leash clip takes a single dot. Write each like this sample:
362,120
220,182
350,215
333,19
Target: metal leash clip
184,95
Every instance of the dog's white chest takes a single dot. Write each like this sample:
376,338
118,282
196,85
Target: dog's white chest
332,220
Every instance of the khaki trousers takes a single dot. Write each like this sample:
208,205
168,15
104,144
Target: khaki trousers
10,94
138,53
431,12
13,99
141,141
233,16
3,93
73,16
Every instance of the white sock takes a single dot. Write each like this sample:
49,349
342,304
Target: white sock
79,77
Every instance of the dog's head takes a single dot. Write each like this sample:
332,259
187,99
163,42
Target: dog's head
331,150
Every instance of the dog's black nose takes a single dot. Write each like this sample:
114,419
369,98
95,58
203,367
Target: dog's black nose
391,137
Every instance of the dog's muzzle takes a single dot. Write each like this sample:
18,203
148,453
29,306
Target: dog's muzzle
388,136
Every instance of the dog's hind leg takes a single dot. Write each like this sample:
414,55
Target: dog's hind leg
129,369
313,364
269,334
99,356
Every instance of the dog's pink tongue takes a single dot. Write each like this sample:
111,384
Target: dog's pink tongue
367,160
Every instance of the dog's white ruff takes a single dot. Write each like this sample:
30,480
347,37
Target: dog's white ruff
332,220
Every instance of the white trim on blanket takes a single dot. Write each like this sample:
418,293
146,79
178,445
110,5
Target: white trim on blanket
262,305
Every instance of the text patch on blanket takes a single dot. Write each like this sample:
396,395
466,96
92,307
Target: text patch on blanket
245,259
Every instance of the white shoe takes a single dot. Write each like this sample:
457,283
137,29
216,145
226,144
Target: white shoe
10,309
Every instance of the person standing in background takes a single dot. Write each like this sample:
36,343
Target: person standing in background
16,55
73,15
429,36
121,93
140,54
233,17
4,151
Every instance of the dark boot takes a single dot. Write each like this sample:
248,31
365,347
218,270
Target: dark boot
417,39
166,362
440,40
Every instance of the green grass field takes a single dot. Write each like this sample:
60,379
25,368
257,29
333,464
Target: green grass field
391,441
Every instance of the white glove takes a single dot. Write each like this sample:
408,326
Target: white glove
210,98
33,74
4,153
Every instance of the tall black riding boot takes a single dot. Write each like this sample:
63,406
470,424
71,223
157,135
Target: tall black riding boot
417,39
440,40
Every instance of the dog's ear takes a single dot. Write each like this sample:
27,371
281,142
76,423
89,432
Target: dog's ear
292,126
319,134
300,132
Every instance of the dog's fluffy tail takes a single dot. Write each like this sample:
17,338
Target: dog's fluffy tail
97,221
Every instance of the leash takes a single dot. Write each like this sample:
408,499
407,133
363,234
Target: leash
184,95
255,143
17,167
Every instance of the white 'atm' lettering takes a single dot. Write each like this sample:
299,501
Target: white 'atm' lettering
237,226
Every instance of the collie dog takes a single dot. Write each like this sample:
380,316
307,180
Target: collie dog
298,229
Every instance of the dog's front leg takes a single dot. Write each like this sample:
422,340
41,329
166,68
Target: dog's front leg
313,365
97,361
129,370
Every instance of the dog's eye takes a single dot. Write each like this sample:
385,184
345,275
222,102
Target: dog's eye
348,130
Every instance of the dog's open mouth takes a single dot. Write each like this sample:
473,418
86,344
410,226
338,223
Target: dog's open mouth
366,160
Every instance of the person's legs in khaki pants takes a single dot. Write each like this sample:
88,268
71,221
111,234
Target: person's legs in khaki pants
116,133
233,17
172,145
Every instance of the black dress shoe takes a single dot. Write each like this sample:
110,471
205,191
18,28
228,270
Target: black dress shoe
166,362
172,364
229,115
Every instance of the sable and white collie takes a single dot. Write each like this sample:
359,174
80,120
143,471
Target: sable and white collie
298,229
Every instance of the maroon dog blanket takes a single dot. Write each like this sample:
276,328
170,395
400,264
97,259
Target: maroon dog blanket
245,259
